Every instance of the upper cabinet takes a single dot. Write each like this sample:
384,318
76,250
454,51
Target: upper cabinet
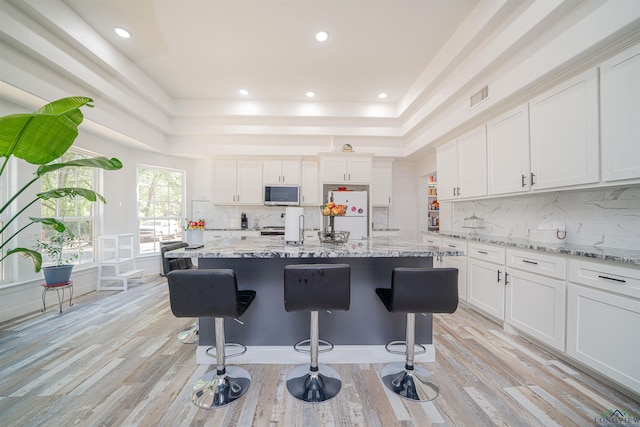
564,134
285,172
309,184
346,168
508,153
462,166
237,182
381,182
620,113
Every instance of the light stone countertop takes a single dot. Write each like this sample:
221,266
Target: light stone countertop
275,247
628,256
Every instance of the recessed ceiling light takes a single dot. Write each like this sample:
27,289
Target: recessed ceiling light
322,36
244,92
122,32
311,94
382,95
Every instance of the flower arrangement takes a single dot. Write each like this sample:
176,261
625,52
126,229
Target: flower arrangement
196,225
331,209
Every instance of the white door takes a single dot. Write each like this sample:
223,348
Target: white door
309,185
381,183
359,169
508,152
249,179
224,182
447,164
472,163
485,287
291,172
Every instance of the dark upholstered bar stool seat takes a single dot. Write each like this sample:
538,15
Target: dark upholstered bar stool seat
314,287
213,293
417,290
190,334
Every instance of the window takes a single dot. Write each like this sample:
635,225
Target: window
4,196
160,206
77,213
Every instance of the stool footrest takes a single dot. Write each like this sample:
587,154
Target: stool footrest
299,346
242,347
391,344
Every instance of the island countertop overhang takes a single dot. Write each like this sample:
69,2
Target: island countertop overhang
276,247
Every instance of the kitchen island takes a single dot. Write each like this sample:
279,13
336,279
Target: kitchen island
259,265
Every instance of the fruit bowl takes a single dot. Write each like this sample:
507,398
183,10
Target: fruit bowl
333,236
331,209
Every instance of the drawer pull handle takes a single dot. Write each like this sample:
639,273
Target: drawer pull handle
452,246
613,278
483,252
506,278
529,262
499,276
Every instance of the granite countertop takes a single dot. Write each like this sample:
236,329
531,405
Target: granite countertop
628,256
275,247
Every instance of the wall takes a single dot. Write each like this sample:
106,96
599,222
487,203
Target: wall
607,217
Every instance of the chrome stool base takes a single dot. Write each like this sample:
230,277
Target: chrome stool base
214,390
189,335
314,386
411,384
304,346
389,347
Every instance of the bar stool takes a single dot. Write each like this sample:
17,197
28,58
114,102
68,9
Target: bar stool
213,293
188,335
313,287
416,290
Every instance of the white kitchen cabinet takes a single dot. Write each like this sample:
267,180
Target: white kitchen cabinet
459,262
237,182
620,104
283,172
381,182
603,319
564,134
462,166
309,184
347,169
508,168
434,240
486,279
535,295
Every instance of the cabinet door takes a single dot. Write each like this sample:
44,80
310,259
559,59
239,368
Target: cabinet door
602,332
334,169
359,169
620,97
536,305
224,182
249,182
485,287
564,134
310,187
381,183
447,164
472,163
291,172
272,172
508,152
459,262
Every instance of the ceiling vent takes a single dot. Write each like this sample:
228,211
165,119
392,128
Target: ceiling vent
479,96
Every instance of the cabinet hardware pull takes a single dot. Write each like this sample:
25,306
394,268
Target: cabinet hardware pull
523,177
532,175
529,262
483,252
344,176
349,177
612,278
506,278
458,190
499,276
452,246
454,191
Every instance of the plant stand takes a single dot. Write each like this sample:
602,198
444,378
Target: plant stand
57,287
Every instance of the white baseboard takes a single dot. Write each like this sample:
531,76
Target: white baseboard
286,355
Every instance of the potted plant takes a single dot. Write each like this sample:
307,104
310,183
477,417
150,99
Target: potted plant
40,138
62,248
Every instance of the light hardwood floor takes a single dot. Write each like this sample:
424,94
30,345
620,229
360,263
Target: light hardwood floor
112,360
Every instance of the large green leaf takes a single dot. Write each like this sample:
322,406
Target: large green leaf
44,135
56,224
28,253
58,193
96,162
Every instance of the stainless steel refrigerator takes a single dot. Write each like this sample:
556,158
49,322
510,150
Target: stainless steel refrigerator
356,218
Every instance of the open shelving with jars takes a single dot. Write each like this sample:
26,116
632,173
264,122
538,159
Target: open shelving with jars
433,206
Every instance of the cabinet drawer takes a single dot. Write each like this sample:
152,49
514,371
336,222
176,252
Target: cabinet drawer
548,265
431,240
455,244
608,277
487,253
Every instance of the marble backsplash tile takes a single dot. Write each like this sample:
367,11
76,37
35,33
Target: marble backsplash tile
608,217
228,217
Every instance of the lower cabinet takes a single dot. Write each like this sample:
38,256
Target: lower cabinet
459,262
535,296
603,320
485,279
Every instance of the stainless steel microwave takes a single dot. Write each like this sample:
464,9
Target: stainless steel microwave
281,195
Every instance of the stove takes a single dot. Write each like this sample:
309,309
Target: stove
272,230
